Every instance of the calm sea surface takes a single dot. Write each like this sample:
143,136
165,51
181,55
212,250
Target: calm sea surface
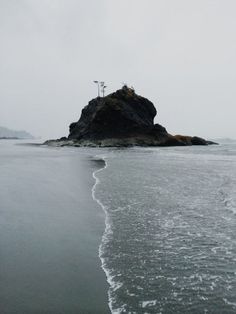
50,230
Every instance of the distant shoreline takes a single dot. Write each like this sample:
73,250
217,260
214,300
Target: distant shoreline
10,138
15,138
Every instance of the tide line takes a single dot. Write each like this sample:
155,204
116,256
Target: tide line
105,238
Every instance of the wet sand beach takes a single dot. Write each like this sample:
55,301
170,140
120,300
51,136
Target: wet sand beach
50,231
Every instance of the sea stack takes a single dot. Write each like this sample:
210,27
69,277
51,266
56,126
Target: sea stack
122,118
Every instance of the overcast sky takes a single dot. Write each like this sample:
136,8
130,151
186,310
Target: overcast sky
181,54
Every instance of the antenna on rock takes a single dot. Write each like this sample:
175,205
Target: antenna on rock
101,87
97,82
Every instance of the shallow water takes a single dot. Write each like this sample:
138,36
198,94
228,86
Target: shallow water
50,230
170,240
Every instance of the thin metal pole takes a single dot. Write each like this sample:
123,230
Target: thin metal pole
97,82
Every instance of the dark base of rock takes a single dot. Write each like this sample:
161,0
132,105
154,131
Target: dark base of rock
131,141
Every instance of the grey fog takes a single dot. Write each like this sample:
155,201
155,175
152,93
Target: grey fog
179,54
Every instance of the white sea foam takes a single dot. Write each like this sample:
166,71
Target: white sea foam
191,217
229,303
228,200
114,285
148,303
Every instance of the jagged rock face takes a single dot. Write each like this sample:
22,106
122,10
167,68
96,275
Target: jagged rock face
121,119
121,114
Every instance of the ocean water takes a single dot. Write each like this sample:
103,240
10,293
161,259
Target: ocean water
157,224
170,239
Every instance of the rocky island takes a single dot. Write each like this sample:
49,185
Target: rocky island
121,119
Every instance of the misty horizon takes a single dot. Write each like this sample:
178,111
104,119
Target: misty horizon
181,56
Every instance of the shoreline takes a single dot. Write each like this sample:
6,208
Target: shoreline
106,230
112,284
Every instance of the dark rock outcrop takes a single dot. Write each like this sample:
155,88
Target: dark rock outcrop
122,118
120,114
